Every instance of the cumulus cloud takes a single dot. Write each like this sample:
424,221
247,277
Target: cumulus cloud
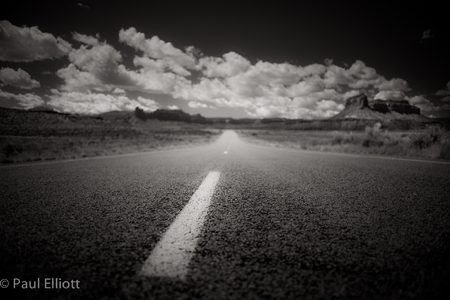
196,104
96,103
95,66
444,92
102,62
358,76
155,48
423,103
85,39
390,95
19,78
25,44
395,84
269,89
336,75
118,91
173,107
79,81
231,64
27,101
360,70
263,89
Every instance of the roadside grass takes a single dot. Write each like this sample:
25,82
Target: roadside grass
104,141
433,142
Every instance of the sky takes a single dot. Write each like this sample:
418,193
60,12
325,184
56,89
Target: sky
246,59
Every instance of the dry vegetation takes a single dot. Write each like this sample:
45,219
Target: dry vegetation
87,137
433,142
33,136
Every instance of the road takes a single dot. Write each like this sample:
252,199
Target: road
281,224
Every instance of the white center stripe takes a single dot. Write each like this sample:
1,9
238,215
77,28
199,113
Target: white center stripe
172,254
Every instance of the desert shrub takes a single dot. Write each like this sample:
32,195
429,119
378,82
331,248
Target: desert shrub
373,136
444,147
12,147
349,139
33,147
371,142
428,137
337,139
8,149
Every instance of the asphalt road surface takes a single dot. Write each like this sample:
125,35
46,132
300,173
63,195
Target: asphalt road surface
281,224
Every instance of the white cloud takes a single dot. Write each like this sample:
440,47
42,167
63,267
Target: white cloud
173,107
206,90
231,64
157,82
85,39
196,104
444,92
96,103
304,88
266,89
25,44
418,100
262,89
159,65
27,101
101,61
174,58
336,75
390,95
395,84
360,70
148,104
19,78
79,81
423,103
118,91
96,67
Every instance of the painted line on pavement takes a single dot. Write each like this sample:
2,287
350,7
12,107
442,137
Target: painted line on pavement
172,254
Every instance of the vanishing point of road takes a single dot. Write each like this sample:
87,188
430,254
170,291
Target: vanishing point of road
229,220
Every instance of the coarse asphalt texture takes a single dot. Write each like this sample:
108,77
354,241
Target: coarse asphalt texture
283,224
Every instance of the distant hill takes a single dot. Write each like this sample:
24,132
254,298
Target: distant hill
116,114
358,107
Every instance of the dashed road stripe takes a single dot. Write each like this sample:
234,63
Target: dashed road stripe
172,254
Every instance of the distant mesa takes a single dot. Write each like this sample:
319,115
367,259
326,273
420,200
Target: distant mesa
358,107
357,101
45,109
171,115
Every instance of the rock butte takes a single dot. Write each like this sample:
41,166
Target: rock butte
358,107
